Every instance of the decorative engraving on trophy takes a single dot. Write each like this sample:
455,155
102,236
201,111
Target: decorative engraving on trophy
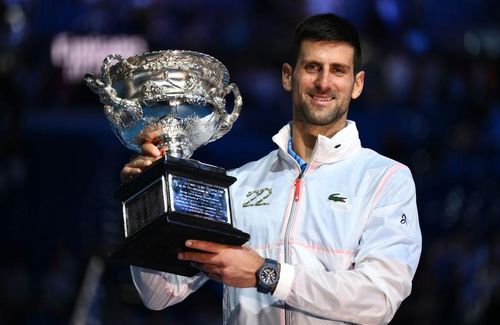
177,136
173,83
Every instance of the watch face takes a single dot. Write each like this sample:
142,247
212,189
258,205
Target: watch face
268,276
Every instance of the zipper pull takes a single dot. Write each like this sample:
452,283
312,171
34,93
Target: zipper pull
297,188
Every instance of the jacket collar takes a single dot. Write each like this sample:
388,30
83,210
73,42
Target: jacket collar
342,145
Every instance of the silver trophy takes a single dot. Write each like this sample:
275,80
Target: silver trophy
175,100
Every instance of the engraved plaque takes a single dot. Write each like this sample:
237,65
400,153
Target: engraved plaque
199,199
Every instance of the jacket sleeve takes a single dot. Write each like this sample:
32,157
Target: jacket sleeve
384,263
159,290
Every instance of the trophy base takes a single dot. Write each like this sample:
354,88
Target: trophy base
157,245
172,201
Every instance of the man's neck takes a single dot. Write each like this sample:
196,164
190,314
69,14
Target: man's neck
304,136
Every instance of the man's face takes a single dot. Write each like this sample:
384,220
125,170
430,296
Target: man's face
323,82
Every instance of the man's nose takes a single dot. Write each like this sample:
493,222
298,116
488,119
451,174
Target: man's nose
323,80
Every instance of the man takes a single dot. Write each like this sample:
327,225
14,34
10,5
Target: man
334,226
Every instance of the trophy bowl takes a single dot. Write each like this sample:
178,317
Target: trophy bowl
174,99
175,96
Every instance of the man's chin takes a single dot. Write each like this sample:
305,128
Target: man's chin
322,119
319,122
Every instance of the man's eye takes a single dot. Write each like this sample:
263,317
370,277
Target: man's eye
338,70
312,67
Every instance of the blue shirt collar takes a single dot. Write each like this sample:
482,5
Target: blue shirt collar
300,161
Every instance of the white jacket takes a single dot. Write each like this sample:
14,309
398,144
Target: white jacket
346,234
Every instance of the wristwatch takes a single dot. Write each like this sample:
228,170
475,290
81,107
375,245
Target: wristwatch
267,276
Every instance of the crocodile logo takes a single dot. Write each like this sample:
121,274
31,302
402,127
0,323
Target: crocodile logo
336,197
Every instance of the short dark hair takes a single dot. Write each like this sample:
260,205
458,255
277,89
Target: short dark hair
327,27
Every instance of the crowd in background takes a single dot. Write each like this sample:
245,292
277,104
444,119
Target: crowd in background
431,100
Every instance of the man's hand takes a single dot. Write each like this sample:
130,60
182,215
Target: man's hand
232,265
150,153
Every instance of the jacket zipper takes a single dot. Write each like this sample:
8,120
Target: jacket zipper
296,198
297,184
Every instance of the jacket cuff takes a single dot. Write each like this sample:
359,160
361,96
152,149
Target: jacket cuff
287,275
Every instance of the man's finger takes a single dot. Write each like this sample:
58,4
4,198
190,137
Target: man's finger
141,162
150,149
128,172
198,257
206,246
136,166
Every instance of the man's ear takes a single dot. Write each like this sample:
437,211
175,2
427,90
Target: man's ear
359,81
286,76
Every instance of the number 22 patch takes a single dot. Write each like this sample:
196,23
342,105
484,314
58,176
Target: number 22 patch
257,197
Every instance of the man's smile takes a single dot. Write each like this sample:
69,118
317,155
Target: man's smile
322,99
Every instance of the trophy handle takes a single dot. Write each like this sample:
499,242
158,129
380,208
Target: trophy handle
238,102
227,120
119,111
106,65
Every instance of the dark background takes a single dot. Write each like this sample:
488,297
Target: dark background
431,101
